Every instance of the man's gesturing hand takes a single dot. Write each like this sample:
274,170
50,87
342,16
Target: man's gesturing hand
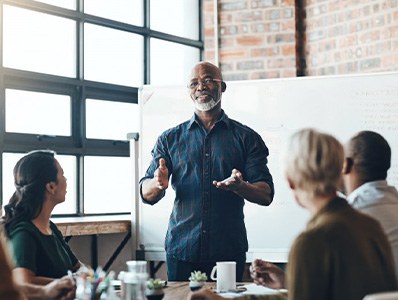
161,175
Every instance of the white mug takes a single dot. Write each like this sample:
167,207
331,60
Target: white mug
226,275
137,266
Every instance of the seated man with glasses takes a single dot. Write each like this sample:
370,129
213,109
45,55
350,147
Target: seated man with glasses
215,163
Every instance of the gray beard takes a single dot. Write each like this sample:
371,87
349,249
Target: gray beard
206,106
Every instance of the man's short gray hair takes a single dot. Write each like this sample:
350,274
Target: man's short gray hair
314,161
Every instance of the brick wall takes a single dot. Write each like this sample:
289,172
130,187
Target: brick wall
257,38
353,36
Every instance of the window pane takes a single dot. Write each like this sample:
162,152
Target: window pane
110,120
126,11
39,42
70,4
113,56
37,113
67,162
107,184
167,57
184,21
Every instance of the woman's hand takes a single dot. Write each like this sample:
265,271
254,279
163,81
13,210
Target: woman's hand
267,274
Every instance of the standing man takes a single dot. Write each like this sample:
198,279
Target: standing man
368,158
215,163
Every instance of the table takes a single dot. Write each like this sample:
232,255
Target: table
181,290
93,226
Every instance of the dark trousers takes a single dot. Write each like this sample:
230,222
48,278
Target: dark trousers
178,270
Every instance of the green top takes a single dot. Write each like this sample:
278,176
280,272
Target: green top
45,255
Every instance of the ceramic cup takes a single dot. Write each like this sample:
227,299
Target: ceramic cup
226,275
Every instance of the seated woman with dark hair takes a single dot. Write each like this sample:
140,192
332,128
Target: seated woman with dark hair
38,247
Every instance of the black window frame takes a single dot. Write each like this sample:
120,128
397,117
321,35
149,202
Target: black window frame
79,90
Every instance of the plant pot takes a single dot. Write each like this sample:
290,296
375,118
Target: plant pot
196,285
156,294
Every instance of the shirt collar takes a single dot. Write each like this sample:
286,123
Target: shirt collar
222,119
361,189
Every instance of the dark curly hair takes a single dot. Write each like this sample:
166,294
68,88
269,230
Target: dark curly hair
31,175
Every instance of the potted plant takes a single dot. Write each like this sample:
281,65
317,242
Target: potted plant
154,289
197,280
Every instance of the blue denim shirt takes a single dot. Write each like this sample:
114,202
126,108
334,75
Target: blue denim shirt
207,224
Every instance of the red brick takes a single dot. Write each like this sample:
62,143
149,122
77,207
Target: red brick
232,54
282,62
209,31
265,75
227,42
288,25
264,52
288,50
249,40
225,19
208,6
287,2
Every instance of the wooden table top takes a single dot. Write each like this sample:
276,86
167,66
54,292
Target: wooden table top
75,226
180,290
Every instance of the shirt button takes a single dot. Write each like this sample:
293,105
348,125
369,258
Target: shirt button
207,154
204,231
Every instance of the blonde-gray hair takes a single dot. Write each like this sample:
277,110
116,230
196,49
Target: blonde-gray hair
314,161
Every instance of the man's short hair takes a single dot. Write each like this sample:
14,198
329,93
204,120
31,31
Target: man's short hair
314,161
371,155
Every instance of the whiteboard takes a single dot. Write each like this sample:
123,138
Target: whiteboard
275,108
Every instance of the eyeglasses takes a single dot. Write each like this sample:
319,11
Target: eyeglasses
207,81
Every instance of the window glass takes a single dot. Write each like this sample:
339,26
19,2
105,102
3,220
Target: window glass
171,63
184,21
67,162
69,4
113,56
126,11
33,41
110,120
37,113
107,184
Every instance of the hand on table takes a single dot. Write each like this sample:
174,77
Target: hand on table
267,274
63,288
